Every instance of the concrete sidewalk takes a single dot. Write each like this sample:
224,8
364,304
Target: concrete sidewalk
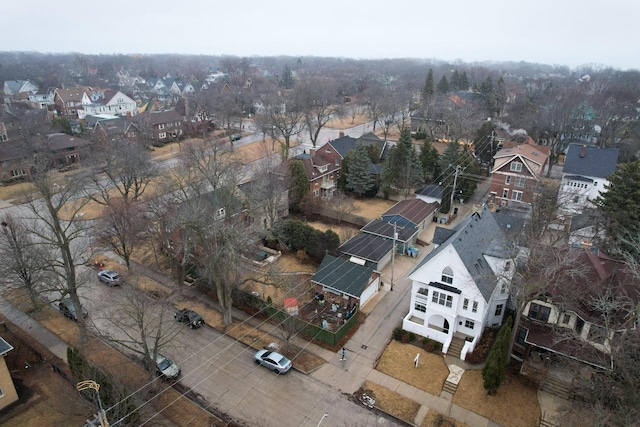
31,327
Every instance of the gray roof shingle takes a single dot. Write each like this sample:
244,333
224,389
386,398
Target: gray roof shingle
367,247
597,162
343,276
478,235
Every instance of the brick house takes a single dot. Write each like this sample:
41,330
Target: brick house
517,170
160,127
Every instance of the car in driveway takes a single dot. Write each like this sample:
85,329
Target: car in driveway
236,137
189,317
272,360
166,368
69,310
110,277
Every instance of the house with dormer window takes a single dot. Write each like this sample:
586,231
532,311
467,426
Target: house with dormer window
584,176
322,173
517,170
579,317
114,103
461,286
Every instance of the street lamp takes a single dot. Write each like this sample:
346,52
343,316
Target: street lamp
86,384
326,414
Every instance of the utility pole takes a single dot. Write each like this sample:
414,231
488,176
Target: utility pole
393,252
86,384
455,182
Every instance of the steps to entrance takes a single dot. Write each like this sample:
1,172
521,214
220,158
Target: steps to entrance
450,387
455,348
557,387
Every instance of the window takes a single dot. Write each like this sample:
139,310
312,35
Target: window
566,319
442,298
474,309
469,324
516,167
539,312
162,135
220,213
503,289
517,195
522,334
465,304
161,126
597,334
507,180
505,193
520,181
420,307
316,193
576,199
447,275
337,162
17,172
507,266
499,308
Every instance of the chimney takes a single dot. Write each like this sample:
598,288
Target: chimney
583,151
341,134
312,151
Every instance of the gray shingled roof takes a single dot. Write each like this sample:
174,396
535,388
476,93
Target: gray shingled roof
477,236
434,191
441,234
367,247
343,276
383,228
598,162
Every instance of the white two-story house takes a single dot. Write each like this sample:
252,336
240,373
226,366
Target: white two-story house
114,103
461,286
584,176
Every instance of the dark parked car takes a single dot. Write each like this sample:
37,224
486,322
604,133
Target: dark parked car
189,317
110,277
236,137
272,360
68,309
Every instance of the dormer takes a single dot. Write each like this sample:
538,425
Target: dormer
322,168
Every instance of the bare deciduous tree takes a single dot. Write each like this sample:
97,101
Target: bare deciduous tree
25,262
121,228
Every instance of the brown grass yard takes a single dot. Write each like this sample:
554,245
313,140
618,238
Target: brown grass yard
397,361
391,402
514,405
346,122
372,208
436,419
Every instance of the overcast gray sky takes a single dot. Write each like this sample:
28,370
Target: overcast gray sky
565,32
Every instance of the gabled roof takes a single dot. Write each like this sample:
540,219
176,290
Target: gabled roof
434,191
312,162
345,144
533,156
478,235
414,210
589,160
62,141
71,95
367,246
158,117
343,276
382,228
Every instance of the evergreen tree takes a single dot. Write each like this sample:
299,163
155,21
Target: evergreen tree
493,371
443,85
620,204
298,183
482,142
287,78
428,90
455,80
464,81
500,96
487,95
429,160
402,168
359,178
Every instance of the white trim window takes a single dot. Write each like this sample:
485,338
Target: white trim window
474,309
465,304
447,275
516,195
515,167
162,135
505,193
420,306
499,308
507,180
442,298
469,324
519,181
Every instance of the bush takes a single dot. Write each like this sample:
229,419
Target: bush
420,135
405,337
493,371
412,336
397,334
